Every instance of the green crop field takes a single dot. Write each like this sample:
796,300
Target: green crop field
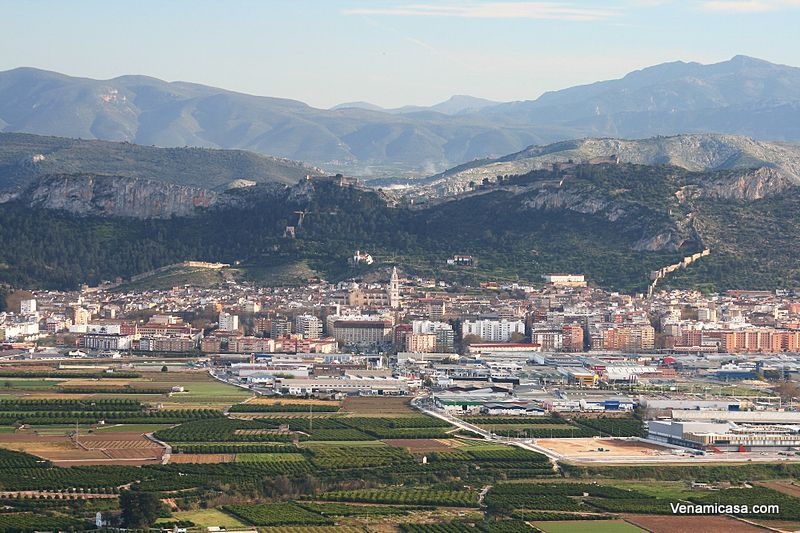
270,458
14,386
206,518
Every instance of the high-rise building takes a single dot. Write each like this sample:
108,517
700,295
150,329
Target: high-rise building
251,306
228,322
279,327
309,326
493,330
355,331
27,307
401,331
548,339
421,342
442,330
572,337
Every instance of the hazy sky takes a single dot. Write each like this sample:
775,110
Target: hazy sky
390,53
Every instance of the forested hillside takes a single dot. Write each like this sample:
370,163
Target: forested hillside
614,223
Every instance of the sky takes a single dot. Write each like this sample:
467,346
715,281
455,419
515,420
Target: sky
389,53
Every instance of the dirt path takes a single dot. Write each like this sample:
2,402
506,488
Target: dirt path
482,494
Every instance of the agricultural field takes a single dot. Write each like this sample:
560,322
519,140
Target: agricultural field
88,449
316,465
379,406
691,524
593,526
146,384
276,514
404,496
531,427
627,426
202,458
421,446
270,458
205,518
284,405
347,509
589,449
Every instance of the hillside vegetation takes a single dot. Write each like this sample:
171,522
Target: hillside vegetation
614,223
24,158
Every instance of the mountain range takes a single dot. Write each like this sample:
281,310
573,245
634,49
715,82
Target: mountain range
741,96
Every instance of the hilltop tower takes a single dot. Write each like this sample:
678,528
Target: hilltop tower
394,290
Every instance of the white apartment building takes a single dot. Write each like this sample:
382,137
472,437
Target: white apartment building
228,322
493,330
442,331
27,307
309,326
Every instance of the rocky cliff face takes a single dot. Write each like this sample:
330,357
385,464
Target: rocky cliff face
747,186
90,194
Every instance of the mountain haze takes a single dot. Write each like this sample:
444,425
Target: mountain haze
742,96
148,111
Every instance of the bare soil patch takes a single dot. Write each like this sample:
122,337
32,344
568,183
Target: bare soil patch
691,524
590,448
125,448
261,400
114,462
786,487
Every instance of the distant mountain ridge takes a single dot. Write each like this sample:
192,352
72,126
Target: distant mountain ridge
24,156
148,111
694,152
454,105
742,96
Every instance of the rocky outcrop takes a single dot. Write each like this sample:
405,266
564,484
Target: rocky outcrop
90,194
570,200
753,185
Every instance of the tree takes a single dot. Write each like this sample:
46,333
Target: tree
139,509
787,390
164,368
517,337
471,339
12,301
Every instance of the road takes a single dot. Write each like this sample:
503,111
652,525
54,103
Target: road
167,448
423,403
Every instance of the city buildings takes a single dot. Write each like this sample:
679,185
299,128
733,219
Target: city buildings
493,330
228,322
